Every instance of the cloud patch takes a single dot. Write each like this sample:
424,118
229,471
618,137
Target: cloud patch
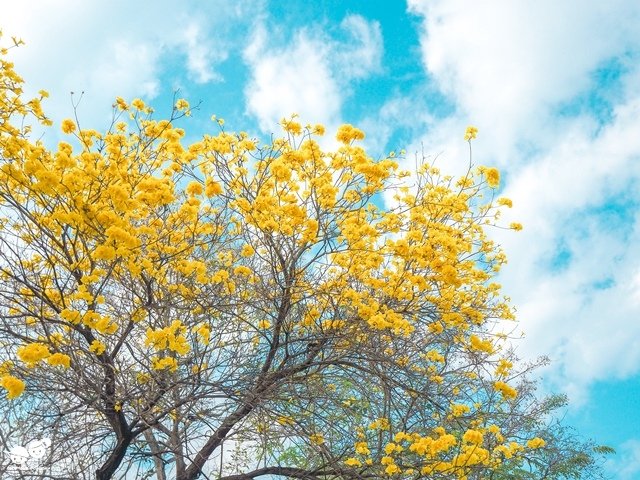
104,49
627,462
516,69
309,75
201,55
508,63
579,201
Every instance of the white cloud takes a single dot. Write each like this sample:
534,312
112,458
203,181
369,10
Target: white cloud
117,48
310,74
99,52
508,65
201,54
294,79
626,463
584,313
114,70
634,287
361,53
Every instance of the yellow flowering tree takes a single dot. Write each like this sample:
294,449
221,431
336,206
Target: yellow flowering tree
325,312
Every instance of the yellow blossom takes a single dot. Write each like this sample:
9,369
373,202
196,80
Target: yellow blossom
503,368
285,420
362,448
380,423
194,188
104,252
138,104
470,133
247,250
182,104
59,359
264,324
390,448
14,386
121,104
204,333
480,345
33,353
166,363
97,347
68,125
242,270
459,410
291,126
348,133
505,202
212,188
473,436
536,442
492,175
392,469
353,462
507,391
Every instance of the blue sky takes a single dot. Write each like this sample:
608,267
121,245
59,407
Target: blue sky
554,88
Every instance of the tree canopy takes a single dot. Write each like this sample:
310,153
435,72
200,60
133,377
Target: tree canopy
228,308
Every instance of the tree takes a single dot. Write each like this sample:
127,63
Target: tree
320,313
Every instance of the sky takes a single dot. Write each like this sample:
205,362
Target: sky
553,87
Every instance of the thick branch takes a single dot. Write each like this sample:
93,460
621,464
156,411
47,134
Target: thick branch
289,472
195,469
251,401
115,459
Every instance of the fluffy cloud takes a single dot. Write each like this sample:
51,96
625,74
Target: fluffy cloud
310,74
627,461
359,54
118,48
575,266
201,56
508,64
293,79
513,68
